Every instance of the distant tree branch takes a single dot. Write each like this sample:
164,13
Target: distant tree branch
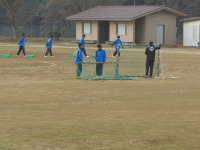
12,6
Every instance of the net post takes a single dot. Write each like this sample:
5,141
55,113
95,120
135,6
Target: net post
116,73
158,65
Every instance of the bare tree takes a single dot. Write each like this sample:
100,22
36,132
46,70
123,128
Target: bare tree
187,6
11,7
190,7
82,5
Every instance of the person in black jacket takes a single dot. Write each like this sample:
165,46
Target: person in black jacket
150,59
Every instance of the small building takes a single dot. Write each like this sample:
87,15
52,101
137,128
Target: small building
191,31
135,24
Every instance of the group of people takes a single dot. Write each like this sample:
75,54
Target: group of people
100,57
117,43
22,42
100,54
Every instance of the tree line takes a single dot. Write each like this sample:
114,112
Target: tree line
54,12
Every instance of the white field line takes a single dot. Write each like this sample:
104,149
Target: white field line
72,47
182,52
57,104
167,77
112,48
51,64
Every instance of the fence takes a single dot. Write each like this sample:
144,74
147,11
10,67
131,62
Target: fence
67,31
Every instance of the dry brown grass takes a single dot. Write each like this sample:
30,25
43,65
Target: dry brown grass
43,106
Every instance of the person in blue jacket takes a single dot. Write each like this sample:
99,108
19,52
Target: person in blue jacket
49,46
117,44
21,44
100,57
82,41
78,61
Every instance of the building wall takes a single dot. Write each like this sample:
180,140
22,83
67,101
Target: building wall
140,30
79,30
130,31
161,18
188,35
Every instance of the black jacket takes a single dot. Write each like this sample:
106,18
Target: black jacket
151,52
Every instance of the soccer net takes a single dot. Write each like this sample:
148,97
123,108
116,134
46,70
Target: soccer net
131,64
89,71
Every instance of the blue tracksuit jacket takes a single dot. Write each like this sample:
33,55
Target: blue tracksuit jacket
49,43
82,41
79,56
117,43
100,55
21,42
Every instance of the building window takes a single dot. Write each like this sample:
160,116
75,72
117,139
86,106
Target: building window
121,29
87,28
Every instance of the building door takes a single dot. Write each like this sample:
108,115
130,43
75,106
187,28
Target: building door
199,35
160,32
195,33
104,31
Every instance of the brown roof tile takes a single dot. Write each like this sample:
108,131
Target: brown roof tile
191,19
120,12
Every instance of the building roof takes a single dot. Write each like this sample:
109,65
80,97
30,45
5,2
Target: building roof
191,19
120,12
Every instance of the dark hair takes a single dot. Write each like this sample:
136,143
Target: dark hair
151,43
80,44
99,46
118,36
23,34
51,36
83,35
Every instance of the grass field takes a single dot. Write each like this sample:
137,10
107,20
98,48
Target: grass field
43,106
